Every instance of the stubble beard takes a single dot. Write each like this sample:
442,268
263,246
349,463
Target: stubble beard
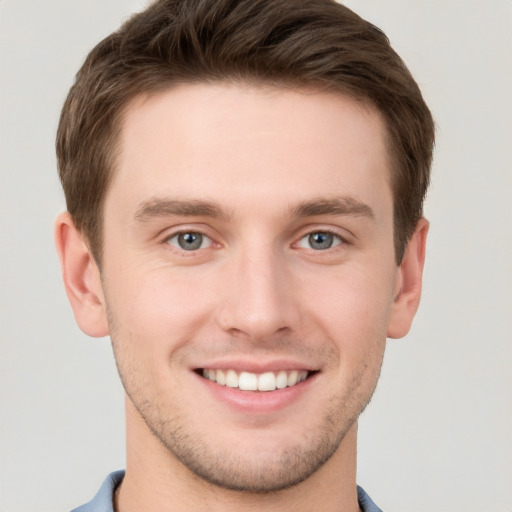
231,470
226,469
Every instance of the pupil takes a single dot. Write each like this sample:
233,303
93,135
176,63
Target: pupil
321,240
190,241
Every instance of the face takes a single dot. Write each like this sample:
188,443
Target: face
249,275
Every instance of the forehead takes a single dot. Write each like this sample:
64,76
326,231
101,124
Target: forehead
253,141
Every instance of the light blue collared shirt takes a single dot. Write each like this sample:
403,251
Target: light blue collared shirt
104,499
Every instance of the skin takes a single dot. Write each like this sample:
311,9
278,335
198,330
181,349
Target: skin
255,171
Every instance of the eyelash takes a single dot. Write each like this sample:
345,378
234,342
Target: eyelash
342,241
191,252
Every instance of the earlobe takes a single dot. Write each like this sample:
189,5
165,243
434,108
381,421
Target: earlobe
81,278
409,283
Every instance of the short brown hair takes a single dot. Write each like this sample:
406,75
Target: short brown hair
318,43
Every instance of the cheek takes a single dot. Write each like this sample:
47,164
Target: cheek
149,318
355,307
157,307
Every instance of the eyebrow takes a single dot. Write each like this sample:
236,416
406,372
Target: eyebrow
334,206
164,207
156,207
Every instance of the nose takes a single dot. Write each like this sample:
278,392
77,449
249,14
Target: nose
259,299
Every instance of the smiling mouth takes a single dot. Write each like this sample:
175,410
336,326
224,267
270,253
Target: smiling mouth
247,381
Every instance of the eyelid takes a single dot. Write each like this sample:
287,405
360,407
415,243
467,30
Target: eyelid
205,238
170,233
343,234
305,239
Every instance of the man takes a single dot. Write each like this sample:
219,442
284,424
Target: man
244,182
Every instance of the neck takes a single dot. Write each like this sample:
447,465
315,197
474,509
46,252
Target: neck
156,482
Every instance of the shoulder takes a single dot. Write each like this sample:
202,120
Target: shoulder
103,501
365,502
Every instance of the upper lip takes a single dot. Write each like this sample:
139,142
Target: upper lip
257,366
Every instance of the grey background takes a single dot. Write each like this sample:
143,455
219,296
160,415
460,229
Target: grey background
438,435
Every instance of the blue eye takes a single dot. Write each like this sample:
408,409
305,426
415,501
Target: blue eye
320,241
189,241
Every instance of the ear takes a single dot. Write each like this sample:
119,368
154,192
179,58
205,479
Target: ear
81,278
408,283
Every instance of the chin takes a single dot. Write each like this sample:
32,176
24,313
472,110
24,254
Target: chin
261,465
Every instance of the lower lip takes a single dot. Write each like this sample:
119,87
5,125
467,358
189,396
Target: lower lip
257,402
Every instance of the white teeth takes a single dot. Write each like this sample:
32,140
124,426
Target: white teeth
231,379
292,378
221,378
281,380
247,381
266,382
